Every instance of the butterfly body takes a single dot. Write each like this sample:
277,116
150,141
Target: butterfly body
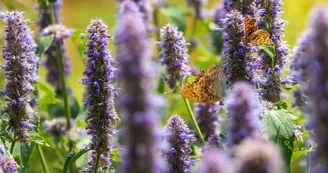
254,35
208,87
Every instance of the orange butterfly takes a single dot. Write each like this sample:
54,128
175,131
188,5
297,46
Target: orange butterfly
208,87
255,35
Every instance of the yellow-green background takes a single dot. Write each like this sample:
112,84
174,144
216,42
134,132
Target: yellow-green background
77,14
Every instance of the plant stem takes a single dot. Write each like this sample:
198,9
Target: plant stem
43,160
199,133
158,35
61,71
97,162
12,146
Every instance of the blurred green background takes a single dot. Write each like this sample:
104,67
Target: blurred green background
77,14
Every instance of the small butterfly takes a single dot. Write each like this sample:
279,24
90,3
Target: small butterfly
208,87
255,35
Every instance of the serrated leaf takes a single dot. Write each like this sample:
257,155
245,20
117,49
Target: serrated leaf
35,137
4,134
72,157
43,42
25,152
18,160
176,16
277,125
269,49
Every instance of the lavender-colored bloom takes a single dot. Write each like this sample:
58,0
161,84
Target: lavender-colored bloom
141,149
270,20
7,164
198,5
179,137
19,67
44,18
234,49
174,55
253,156
57,126
101,117
246,7
243,111
60,33
219,14
316,88
104,161
207,117
213,143
215,162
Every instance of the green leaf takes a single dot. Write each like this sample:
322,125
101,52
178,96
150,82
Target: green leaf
72,157
269,49
298,154
115,154
50,95
43,42
287,151
57,110
74,107
18,160
25,152
53,1
281,105
42,3
4,134
35,137
79,43
278,125
176,16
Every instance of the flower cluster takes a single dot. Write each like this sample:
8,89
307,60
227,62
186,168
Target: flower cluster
60,33
246,7
101,117
140,119
179,137
243,110
44,18
20,63
213,143
257,156
316,60
234,49
215,162
174,55
207,117
7,163
270,20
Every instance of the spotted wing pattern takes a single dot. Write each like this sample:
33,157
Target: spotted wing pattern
255,35
207,87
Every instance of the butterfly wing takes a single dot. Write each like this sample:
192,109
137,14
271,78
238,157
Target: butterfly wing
260,37
250,26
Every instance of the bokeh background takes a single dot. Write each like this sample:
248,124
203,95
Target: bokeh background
77,14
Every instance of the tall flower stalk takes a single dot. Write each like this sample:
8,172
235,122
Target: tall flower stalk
7,163
313,65
243,112
140,119
207,117
101,117
20,61
178,137
245,7
270,20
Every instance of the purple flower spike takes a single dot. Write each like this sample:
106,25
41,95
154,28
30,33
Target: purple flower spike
243,110
174,55
179,137
257,156
101,117
207,117
215,162
7,163
140,119
61,33
213,143
246,7
19,69
45,16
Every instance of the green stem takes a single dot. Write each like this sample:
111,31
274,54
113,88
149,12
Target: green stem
61,70
43,160
97,162
199,133
156,23
12,146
